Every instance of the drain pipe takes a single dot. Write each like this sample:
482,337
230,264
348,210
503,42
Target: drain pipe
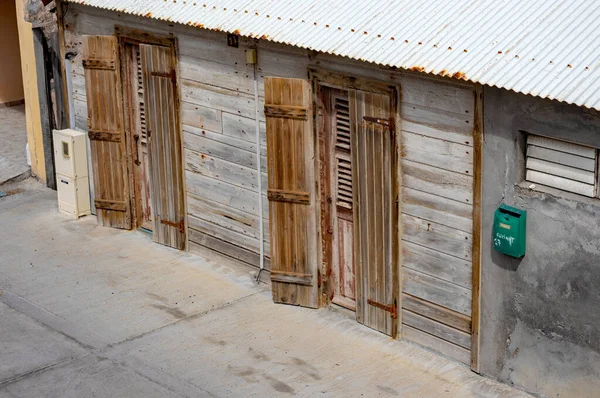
251,59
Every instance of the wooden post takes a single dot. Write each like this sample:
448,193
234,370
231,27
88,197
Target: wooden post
476,250
44,98
62,55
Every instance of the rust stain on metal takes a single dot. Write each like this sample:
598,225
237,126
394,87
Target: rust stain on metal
179,225
417,68
236,32
459,75
264,37
393,309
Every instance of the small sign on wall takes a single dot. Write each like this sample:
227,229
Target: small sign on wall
233,40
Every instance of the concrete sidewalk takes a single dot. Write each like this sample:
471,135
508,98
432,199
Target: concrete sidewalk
13,139
92,311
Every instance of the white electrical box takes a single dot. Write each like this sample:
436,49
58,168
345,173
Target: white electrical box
72,181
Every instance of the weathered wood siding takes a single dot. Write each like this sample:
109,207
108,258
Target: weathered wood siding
437,215
218,122
218,110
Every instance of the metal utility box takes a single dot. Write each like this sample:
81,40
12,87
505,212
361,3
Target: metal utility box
510,230
72,181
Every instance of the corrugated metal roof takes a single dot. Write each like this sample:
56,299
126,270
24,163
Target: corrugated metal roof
546,48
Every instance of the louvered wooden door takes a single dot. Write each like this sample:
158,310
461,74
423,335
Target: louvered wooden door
106,132
138,136
291,192
163,132
343,265
375,191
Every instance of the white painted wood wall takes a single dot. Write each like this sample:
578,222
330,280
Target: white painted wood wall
218,112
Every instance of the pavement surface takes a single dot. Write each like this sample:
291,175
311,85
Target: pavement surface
13,139
88,311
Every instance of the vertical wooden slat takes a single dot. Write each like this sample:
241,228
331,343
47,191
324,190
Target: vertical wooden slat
291,290
357,145
373,243
150,97
298,159
476,248
105,114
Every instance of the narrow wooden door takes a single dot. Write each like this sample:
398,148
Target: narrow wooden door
106,131
342,260
164,134
375,191
138,136
291,193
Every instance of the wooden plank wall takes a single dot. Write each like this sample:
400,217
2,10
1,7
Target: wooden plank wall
437,122
217,113
437,215
219,131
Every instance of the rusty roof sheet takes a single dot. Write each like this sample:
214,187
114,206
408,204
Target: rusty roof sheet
545,48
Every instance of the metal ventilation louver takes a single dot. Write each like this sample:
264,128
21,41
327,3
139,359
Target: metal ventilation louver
562,165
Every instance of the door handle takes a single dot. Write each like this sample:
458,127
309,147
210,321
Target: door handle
136,138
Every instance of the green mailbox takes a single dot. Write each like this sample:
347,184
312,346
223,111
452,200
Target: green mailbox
509,230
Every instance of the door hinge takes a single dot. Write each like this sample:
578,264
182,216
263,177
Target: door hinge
393,309
389,123
170,74
179,225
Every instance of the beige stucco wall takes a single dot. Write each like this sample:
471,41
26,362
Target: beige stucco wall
30,91
11,88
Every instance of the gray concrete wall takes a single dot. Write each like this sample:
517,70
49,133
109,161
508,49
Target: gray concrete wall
541,314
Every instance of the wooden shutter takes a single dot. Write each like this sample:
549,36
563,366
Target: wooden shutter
374,164
105,129
163,131
345,290
291,193
342,153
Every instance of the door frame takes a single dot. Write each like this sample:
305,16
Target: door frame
127,35
323,79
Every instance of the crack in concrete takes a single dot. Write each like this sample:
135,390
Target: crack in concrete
5,299
14,379
11,299
187,318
